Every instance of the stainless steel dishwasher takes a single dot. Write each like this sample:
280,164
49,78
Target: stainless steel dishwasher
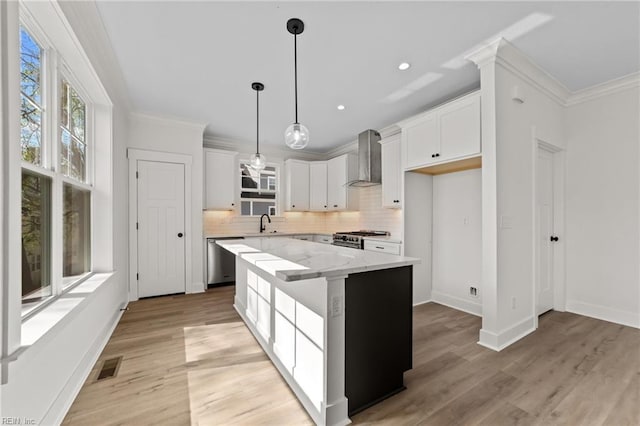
221,264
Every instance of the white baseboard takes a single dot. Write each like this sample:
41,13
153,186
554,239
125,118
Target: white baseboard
506,337
198,287
457,303
58,410
422,302
605,313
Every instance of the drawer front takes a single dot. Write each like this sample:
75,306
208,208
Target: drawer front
382,247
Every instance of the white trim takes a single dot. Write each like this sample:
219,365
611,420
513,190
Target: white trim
605,313
139,154
247,148
457,303
165,118
508,336
559,248
604,89
424,302
58,410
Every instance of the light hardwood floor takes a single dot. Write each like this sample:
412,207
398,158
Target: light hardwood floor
190,360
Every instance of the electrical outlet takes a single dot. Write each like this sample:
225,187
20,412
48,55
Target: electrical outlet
336,306
513,303
473,291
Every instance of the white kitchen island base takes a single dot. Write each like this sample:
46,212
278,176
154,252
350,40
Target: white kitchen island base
300,321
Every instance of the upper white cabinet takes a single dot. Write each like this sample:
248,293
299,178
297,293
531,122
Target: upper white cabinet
391,172
220,168
297,181
340,171
318,186
446,133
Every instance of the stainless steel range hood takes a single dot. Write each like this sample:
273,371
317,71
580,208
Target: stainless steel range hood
369,160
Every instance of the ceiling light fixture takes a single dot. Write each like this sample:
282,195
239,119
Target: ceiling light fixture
404,66
297,135
341,107
258,161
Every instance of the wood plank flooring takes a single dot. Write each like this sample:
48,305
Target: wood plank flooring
190,360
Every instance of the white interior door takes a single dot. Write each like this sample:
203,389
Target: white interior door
544,218
161,233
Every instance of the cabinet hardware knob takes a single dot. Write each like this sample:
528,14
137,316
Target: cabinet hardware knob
232,204
381,248
437,154
335,205
293,206
554,238
179,234
433,156
325,207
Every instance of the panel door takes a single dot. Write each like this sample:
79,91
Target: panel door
544,219
318,186
161,228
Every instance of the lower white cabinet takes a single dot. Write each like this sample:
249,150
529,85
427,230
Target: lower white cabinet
324,239
382,246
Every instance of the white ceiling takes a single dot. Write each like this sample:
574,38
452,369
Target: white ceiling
196,60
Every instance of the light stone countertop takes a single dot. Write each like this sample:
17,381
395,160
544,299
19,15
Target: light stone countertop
388,238
292,260
264,234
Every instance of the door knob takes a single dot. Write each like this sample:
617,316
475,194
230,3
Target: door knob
179,234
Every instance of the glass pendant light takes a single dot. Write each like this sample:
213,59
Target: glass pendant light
297,135
258,161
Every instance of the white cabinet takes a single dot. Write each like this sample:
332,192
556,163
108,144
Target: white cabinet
446,133
382,246
221,175
297,181
324,239
391,172
318,186
340,171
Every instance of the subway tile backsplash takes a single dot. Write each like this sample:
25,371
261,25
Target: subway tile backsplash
370,216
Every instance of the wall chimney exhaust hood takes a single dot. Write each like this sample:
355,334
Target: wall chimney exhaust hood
369,160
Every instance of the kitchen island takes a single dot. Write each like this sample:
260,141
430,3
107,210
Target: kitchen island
336,322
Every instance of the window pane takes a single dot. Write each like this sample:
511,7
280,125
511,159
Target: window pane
77,160
77,114
260,208
245,208
30,66
65,151
30,131
76,231
36,218
64,104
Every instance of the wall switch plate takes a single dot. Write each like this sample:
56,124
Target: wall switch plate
336,306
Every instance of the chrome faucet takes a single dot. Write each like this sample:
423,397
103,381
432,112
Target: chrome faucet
262,227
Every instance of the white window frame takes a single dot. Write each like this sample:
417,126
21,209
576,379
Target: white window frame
277,191
54,70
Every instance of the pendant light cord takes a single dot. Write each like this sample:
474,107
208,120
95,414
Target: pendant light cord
257,122
295,70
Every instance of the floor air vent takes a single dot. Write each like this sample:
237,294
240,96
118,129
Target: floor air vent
109,368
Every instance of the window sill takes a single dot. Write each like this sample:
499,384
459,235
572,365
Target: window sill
61,310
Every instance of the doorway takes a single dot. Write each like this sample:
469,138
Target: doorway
545,236
159,223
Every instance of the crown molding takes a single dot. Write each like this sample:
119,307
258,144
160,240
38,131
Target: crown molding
177,120
501,52
245,147
604,89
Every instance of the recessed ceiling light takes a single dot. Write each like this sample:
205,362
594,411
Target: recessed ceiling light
404,66
340,107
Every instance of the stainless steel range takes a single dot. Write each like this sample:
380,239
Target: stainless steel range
355,239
